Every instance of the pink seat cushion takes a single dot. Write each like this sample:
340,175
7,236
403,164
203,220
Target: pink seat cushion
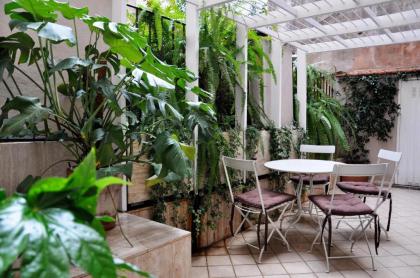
317,179
343,204
364,188
270,198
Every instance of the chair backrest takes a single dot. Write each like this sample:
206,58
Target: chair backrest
244,166
360,170
389,157
317,149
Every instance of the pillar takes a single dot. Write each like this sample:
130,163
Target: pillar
192,32
301,86
281,93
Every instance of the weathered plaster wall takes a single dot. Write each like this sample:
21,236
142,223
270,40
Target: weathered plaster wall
383,58
391,58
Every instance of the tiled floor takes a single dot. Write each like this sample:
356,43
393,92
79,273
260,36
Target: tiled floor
398,257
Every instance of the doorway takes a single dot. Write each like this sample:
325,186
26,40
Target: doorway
409,133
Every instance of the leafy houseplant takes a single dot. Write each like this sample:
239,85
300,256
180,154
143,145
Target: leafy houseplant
85,96
326,116
50,226
371,101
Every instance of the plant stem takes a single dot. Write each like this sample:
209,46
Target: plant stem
16,85
8,89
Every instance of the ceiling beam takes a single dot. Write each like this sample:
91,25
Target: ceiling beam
354,26
307,10
368,41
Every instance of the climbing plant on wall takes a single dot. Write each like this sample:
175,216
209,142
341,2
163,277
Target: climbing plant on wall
371,99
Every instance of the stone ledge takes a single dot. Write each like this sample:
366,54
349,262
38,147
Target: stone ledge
159,249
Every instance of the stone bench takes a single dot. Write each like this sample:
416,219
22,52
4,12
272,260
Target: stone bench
161,250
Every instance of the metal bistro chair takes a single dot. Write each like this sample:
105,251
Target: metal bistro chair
321,179
371,189
259,201
349,205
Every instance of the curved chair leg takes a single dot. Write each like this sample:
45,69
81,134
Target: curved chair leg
329,235
232,213
259,229
389,213
266,231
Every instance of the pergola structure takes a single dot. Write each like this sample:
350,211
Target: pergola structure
306,26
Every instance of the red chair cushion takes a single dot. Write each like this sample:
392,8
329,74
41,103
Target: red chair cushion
270,198
343,204
317,179
363,188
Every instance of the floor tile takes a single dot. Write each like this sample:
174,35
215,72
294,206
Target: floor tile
296,267
199,272
242,259
272,269
198,261
398,257
246,270
221,271
218,260
406,272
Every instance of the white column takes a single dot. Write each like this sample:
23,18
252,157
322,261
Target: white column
301,86
281,93
242,88
192,32
241,94
286,75
119,14
276,57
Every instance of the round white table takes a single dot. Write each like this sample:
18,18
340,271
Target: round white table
302,167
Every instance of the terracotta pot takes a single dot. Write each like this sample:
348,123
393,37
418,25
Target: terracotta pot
355,178
109,225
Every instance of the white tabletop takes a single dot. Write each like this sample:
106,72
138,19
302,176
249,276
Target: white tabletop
303,166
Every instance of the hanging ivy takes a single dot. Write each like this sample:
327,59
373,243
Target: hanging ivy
253,136
371,100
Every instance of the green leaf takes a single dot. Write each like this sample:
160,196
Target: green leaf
2,194
86,247
105,182
31,113
169,153
105,218
122,265
13,237
47,185
57,33
45,256
70,63
85,173
125,169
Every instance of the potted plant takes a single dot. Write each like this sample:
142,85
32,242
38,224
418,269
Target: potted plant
51,225
108,99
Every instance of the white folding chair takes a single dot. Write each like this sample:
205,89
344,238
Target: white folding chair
349,205
259,201
370,189
311,180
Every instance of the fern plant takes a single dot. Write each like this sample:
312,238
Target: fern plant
326,116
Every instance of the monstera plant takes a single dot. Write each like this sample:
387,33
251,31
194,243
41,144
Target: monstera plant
50,226
101,96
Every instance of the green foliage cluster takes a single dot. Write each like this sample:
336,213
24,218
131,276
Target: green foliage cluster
326,116
371,100
253,136
82,98
50,225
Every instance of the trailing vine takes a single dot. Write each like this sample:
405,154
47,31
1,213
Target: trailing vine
253,136
371,99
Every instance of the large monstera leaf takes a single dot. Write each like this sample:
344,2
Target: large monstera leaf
48,232
172,157
31,112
